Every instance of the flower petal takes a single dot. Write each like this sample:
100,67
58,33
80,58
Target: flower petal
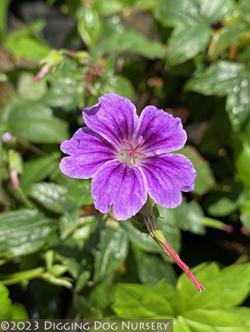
88,151
114,118
167,176
121,187
161,132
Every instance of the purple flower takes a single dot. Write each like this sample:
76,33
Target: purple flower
129,157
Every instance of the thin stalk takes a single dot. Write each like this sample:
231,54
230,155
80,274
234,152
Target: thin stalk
169,250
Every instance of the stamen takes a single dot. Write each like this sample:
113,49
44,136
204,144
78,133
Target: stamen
132,150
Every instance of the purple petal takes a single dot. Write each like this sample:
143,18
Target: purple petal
167,176
88,151
114,118
121,187
161,132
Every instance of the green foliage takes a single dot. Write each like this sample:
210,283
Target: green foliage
191,311
9,310
23,232
190,57
192,21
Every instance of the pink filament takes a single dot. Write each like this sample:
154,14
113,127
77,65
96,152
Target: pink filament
133,151
173,254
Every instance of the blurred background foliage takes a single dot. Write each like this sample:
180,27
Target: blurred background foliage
58,256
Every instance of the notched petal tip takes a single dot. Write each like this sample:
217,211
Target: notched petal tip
162,133
113,117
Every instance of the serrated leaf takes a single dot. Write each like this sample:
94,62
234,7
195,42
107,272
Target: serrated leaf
225,78
190,12
192,20
218,79
232,283
190,310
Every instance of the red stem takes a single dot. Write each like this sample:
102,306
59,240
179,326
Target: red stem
169,250
173,254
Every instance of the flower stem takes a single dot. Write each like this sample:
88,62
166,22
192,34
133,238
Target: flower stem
169,250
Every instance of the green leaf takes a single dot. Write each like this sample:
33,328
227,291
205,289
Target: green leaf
9,310
66,85
113,6
108,8
222,207
119,85
146,243
228,36
151,269
4,4
190,310
5,302
204,179
180,325
130,40
102,295
245,214
192,20
89,24
23,232
79,227
233,283
140,239
220,318
112,251
187,216
38,169
52,196
34,122
218,79
190,12
185,43
134,300
28,89
242,165
78,190
24,44
238,105
227,78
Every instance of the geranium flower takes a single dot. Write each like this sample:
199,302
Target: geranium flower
129,157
